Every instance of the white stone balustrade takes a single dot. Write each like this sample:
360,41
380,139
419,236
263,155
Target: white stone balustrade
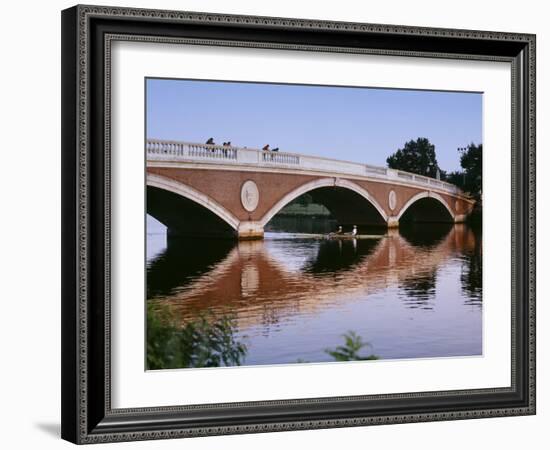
163,150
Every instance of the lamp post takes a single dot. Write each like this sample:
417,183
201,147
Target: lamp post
463,149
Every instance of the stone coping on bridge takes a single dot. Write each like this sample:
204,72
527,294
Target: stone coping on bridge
179,151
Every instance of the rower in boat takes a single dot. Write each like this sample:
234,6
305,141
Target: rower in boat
354,232
338,232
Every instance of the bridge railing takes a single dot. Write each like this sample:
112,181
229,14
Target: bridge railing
427,181
161,150
187,150
280,158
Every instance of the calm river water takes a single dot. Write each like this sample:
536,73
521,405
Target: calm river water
412,293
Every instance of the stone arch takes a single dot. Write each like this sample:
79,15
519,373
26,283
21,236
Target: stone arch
426,194
175,187
321,183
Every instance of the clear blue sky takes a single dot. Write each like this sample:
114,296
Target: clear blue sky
353,124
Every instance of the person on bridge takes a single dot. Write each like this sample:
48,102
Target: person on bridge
226,144
266,148
276,149
211,141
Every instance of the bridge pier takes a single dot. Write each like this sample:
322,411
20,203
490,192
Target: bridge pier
249,230
393,222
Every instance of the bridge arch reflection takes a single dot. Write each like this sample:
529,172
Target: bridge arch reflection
256,275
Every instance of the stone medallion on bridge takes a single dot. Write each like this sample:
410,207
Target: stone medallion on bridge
250,195
392,200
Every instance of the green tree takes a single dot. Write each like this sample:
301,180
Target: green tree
456,177
303,200
471,163
353,343
415,157
469,178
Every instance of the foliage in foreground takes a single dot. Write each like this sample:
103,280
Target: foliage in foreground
203,342
210,342
353,343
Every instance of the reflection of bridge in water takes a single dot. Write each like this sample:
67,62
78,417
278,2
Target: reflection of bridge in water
260,281
209,190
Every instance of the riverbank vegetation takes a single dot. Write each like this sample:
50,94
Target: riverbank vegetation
469,178
353,344
211,342
419,156
203,342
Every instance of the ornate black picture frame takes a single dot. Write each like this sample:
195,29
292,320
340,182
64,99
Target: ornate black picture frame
87,34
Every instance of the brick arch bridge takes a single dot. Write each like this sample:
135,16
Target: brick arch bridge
210,190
